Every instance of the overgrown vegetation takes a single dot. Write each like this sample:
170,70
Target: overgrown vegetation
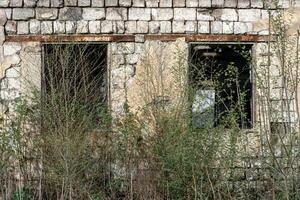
63,144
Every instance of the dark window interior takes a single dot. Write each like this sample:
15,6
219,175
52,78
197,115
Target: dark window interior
76,74
220,76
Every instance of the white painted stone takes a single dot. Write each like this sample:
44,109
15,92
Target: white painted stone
185,13
3,17
138,3
142,27
192,3
11,48
59,27
203,27
46,27
139,14
228,27
8,12
57,3
165,27
249,15
244,4
46,13
217,3
111,3
94,26
152,3
116,14
70,13
23,27
13,72
97,3
23,13
2,35
204,3
43,3
125,48
257,4
93,13
191,27
70,27
130,27
106,27
204,15
15,3
242,27
84,3
139,38
118,60
230,3
125,3
216,27
179,3
119,27
82,27
165,3
132,59
30,3
161,14
154,27
11,27
225,14
4,3
178,27
70,2
35,26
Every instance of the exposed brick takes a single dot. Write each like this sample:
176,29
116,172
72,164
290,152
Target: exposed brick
138,3
23,13
249,15
192,3
244,4
185,13
140,14
35,27
204,15
231,3
217,3
125,3
165,27
15,3
94,27
84,3
225,14
43,3
165,3
203,27
179,3
216,27
205,3
59,27
46,13
70,14
130,27
82,27
97,3
46,27
162,14
178,27
228,27
152,3
111,3
93,13
29,3
116,14
106,27
23,27
154,27
142,27
191,26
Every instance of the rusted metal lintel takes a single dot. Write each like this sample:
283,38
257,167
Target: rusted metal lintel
209,38
131,38
70,38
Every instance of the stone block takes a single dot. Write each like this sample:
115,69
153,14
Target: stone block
217,3
178,3
43,3
249,15
165,27
11,27
22,27
13,72
204,3
15,3
8,12
70,14
70,27
11,48
162,14
228,27
46,27
244,4
93,13
204,15
70,2
4,3
82,27
84,3
216,27
152,3
178,27
132,59
154,27
230,3
203,27
30,3
46,13
119,27
2,36
192,3
23,13
130,27
106,27
138,3
125,3
57,3
3,17
34,27
225,14
59,27
242,27
257,4
116,14
97,3
191,27
111,3
139,14
142,27
94,26
185,13
125,48
165,3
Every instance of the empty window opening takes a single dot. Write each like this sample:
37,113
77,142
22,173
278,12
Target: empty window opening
74,81
220,76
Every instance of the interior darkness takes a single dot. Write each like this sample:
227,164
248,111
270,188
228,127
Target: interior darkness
211,67
76,73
